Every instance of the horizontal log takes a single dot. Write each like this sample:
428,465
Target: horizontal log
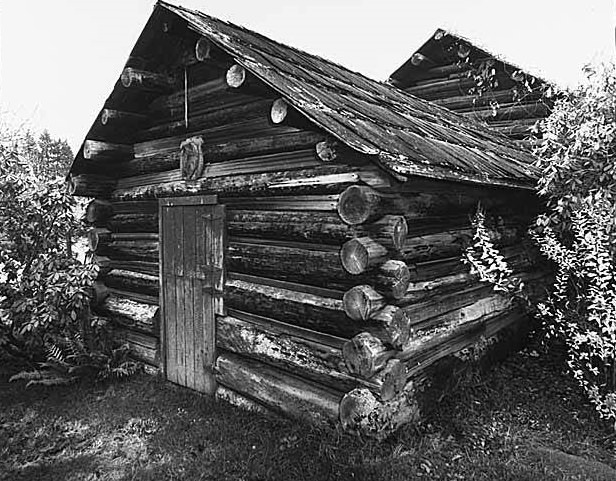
283,113
278,390
198,96
98,212
319,180
391,325
209,119
97,236
362,253
97,150
305,264
229,132
517,129
88,185
302,357
236,399
300,159
135,207
141,346
121,249
438,72
141,266
512,111
315,227
120,119
361,302
439,88
134,315
138,222
311,311
498,96
147,81
321,203
130,281
241,80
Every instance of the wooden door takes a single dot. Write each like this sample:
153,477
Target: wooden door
191,248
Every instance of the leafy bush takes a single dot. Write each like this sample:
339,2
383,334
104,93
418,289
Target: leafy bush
44,290
577,232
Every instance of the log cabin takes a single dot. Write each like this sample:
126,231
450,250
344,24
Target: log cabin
274,229
451,71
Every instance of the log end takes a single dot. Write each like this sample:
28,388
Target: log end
360,253
236,76
360,302
203,49
360,354
357,204
326,151
279,111
394,277
400,231
126,78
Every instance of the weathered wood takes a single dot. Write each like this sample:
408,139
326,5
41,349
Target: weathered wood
282,113
208,119
206,96
103,264
98,212
141,346
321,203
305,264
365,355
97,150
279,347
141,266
512,111
89,185
362,412
499,96
138,222
319,180
127,249
120,119
206,51
147,81
361,302
97,237
311,311
330,150
391,380
391,325
239,79
132,281
392,279
362,253
291,395
441,88
234,398
98,293
360,204
519,129
131,314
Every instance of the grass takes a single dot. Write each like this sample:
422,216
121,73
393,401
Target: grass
522,420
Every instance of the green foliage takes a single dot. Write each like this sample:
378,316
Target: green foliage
577,232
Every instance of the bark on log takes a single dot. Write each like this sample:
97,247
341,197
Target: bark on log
362,253
300,356
132,282
293,396
147,81
131,314
98,212
88,185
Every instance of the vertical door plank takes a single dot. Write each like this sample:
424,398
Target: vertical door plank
190,265
200,339
169,304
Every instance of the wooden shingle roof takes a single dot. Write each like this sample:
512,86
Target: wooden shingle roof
408,136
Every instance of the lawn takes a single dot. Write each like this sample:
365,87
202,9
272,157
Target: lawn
522,420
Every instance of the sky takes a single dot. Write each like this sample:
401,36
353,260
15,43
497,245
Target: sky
59,59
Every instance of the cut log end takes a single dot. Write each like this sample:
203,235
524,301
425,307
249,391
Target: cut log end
400,230
357,255
364,354
236,76
279,111
361,302
395,325
393,278
358,204
203,49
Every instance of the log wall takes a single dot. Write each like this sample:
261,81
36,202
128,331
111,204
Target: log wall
338,277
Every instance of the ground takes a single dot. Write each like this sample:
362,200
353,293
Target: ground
524,419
